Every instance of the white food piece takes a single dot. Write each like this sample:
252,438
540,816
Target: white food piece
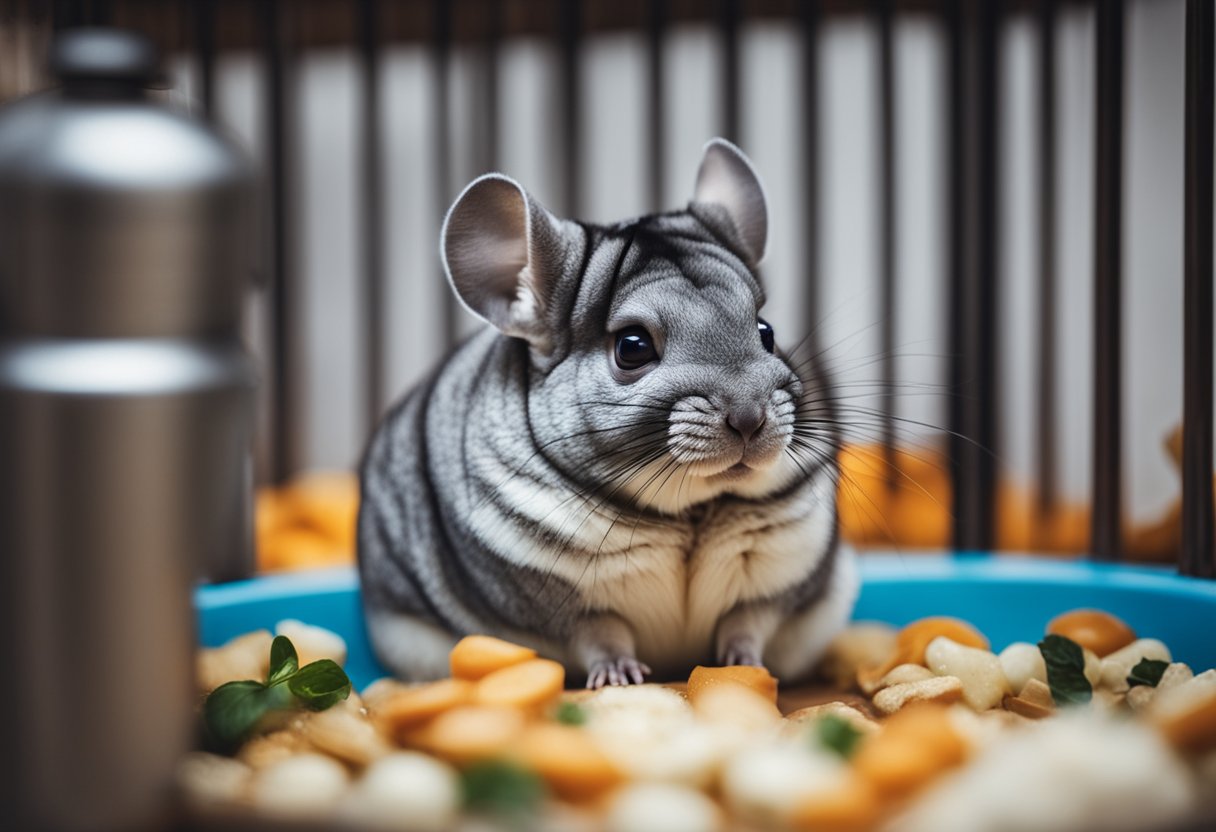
738,707
765,783
346,735
1021,662
983,679
305,785
635,707
650,733
407,791
691,757
659,807
1139,697
860,645
312,643
904,673
1093,667
209,780
1184,696
797,723
1079,770
244,657
937,689
1175,675
1117,665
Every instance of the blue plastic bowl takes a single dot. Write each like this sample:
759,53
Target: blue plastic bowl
1008,598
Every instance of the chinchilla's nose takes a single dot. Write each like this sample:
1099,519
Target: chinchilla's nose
745,418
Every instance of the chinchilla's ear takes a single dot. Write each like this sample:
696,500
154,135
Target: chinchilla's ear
502,252
727,179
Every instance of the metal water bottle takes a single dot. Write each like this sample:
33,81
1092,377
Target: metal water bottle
125,425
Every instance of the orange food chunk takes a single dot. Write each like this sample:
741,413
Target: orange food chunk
476,656
1192,730
756,678
411,707
913,747
470,733
1094,630
853,806
568,760
530,685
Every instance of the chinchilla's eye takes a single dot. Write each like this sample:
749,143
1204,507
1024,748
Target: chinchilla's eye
766,333
634,348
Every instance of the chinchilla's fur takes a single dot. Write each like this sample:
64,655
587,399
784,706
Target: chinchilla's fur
616,518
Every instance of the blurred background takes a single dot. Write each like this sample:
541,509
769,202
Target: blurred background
931,174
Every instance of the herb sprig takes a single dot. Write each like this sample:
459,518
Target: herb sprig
1065,670
232,711
837,734
1148,672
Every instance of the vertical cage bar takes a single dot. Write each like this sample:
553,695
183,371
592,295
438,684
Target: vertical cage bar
656,135
955,166
1106,531
204,48
887,231
569,34
488,143
974,278
371,225
1197,557
986,278
282,326
441,138
809,107
1045,412
728,33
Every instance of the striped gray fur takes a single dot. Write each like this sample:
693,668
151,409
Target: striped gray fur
617,519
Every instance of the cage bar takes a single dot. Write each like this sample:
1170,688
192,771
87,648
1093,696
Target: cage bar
887,232
809,110
974,266
371,227
487,134
283,460
729,13
955,167
1106,531
1197,557
569,35
1045,411
441,140
656,109
204,49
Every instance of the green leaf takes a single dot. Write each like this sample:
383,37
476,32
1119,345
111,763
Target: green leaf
320,685
283,659
1065,671
1148,672
837,734
501,788
232,710
570,713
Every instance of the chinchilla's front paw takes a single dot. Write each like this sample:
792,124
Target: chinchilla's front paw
740,651
624,670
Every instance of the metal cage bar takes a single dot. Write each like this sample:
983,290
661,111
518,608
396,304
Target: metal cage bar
888,232
1045,372
1106,528
371,226
1197,557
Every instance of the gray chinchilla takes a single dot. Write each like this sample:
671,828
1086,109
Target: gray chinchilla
623,471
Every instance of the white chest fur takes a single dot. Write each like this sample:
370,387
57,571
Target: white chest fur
673,592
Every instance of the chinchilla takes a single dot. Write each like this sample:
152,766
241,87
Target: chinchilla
624,471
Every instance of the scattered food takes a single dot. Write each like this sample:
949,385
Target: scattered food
1091,727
